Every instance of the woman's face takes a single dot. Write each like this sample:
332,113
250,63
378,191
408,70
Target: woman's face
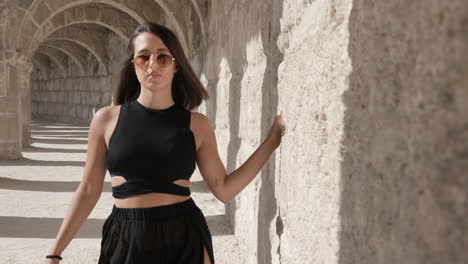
152,75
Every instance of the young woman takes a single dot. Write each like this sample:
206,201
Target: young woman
150,142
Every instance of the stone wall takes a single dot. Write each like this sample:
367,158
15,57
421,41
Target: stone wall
404,170
374,167
369,92
10,126
312,78
241,77
71,99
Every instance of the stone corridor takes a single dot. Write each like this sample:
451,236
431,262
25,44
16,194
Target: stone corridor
373,168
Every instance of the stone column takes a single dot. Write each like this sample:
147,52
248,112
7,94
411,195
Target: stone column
24,69
10,126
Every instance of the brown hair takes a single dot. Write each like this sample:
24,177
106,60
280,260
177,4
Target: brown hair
187,90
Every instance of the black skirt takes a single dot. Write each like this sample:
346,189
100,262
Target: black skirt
174,233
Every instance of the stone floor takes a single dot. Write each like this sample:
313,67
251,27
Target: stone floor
36,191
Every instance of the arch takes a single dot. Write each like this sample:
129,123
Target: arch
113,19
118,32
176,22
69,52
30,30
97,14
29,27
197,8
55,60
82,45
41,63
88,40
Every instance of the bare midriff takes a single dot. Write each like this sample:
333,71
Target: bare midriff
149,199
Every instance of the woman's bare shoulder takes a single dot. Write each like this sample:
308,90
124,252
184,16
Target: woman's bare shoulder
103,118
107,113
200,125
200,121
104,121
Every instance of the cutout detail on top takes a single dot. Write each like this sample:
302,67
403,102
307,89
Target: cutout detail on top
120,180
183,183
117,180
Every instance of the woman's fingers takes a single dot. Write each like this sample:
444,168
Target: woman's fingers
281,124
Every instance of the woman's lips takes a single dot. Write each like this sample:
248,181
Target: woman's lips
154,75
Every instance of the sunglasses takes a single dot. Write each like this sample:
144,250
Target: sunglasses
162,60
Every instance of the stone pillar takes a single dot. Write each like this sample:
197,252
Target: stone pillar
10,126
24,69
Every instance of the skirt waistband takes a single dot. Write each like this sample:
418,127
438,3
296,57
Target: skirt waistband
158,212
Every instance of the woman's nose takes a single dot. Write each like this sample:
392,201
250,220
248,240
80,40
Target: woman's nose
152,64
152,60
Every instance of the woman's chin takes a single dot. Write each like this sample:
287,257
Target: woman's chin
153,80
154,84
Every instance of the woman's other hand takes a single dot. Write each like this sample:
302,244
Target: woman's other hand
277,131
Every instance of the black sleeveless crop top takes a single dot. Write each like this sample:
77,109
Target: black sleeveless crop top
151,149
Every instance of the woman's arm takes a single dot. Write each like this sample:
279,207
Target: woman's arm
225,187
90,188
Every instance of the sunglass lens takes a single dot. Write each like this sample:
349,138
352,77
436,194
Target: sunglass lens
164,60
142,60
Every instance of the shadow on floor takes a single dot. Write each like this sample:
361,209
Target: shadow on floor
30,162
44,227
33,149
58,141
69,186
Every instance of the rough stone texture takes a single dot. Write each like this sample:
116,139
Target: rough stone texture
312,77
239,52
25,69
405,148
10,109
59,99
380,174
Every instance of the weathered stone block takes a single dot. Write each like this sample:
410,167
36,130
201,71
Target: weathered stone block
9,125
10,150
29,28
8,104
41,12
76,97
100,84
58,20
3,79
34,107
12,82
24,3
92,13
106,98
84,112
53,96
79,110
40,108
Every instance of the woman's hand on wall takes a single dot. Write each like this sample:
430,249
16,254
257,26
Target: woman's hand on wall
277,131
